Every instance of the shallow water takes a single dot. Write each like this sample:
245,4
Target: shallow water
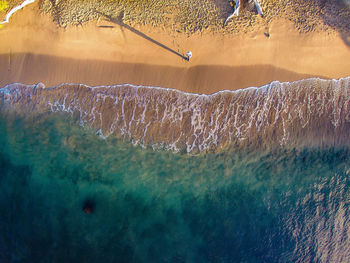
262,205
310,112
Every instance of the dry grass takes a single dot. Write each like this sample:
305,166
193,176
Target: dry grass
191,16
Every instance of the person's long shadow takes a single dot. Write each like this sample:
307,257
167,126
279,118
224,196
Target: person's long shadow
118,20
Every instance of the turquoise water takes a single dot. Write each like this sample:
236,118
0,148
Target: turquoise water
272,205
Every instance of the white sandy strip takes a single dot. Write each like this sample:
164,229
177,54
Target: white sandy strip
15,9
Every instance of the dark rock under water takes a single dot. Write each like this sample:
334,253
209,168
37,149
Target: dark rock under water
275,188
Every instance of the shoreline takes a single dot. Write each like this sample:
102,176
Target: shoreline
309,112
296,83
200,79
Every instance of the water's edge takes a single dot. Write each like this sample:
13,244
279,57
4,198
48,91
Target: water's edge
311,112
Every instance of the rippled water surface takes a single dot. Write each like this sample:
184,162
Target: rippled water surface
141,205
311,112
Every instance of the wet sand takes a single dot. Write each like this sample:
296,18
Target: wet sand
32,68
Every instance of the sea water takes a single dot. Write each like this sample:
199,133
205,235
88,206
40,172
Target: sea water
263,204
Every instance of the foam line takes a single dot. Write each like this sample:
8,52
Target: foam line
310,112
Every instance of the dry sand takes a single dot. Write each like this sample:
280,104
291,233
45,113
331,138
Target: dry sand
34,49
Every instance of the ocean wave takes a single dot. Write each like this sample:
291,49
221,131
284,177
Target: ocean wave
311,112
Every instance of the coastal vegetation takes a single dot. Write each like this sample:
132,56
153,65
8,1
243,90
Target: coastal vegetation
241,154
191,16
3,6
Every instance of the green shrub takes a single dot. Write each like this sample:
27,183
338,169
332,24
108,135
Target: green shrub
3,5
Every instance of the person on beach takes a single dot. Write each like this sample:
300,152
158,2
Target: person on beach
188,55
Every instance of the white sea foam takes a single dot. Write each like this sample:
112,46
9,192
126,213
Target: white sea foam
171,119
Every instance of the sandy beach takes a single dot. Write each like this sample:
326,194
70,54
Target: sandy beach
162,165
108,51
